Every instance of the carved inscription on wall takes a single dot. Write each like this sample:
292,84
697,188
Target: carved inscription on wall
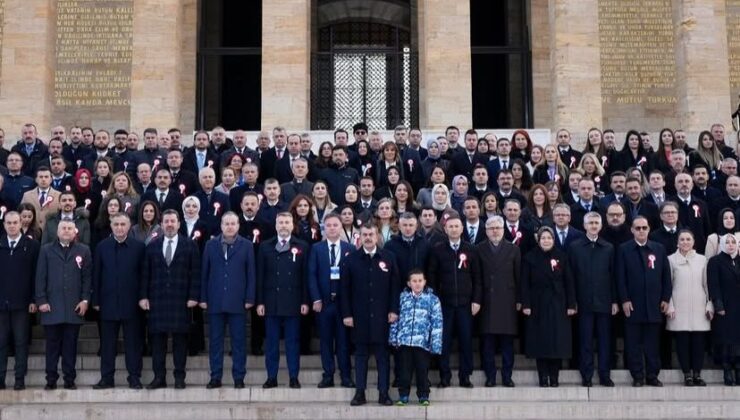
733,47
638,60
94,44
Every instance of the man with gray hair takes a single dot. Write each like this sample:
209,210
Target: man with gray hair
500,262
566,234
592,263
299,184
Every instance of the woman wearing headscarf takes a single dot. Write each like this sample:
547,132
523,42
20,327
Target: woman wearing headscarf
84,194
689,310
723,278
440,199
726,224
459,193
434,159
548,299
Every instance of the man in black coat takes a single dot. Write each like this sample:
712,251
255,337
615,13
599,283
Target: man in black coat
454,274
565,234
587,202
693,213
637,206
463,163
667,233
474,231
644,288
298,184
18,255
31,149
169,288
369,303
164,196
516,231
118,260
200,155
213,204
592,264
282,297
338,175
183,181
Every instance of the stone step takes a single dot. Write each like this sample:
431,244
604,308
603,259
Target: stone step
311,377
675,410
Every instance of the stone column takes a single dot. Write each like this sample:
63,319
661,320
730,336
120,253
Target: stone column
445,86
703,73
286,63
575,64
27,72
155,72
541,80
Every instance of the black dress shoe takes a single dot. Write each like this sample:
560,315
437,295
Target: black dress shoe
180,384
490,384
465,383
2,385
257,352
728,378
698,381
543,382
688,380
358,399
587,383
654,382
509,383
239,384
326,383
394,384
384,399
213,383
157,383
348,384
19,385
69,385
606,382
554,383
294,383
50,385
135,385
637,383
270,383
443,384
103,385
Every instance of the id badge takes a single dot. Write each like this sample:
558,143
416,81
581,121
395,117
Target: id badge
334,273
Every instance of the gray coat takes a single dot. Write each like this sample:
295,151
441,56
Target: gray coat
63,279
500,272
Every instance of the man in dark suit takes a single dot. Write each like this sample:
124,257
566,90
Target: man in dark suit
282,297
693,213
298,184
323,287
587,202
592,261
570,195
213,204
503,161
271,155
473,228
617,182
637,206
505,188
118,260
240,148
568,155
667,233
453,270
165,197
516,231
250,174
702,190
150,154
227,292
200,155
369,302
170,286
63,288
185,182
143,180
479,185
644,288
463,163
75,151
101,149
18,257
565,234
31,149
284,167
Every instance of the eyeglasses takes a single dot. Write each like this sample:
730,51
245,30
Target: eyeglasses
640,227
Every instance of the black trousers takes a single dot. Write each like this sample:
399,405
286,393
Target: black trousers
15,327
690,346
413,360
549,368
488,355
133,342
61,340
159,354
257,331
642,339
196,336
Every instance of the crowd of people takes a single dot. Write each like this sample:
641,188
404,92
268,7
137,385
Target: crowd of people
383,248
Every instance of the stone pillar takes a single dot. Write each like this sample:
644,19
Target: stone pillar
445,85
703,73
27,67
155,72
188,65
541,80
286,63
575,64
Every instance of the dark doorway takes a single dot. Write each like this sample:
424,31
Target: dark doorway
501,63
229,65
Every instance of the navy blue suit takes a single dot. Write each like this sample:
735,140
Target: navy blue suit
228,282
211,210
282,289
332,332
643,278
572,236
116,265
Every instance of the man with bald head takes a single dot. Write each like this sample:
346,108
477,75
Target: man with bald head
240,147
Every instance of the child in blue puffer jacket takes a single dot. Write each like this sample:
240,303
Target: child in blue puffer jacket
417,334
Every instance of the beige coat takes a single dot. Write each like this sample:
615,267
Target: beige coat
42,212
712,247
690,299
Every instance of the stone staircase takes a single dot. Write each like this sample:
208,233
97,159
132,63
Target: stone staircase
526,401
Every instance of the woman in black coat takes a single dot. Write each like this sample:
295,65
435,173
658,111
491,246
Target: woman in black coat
548,300
723,278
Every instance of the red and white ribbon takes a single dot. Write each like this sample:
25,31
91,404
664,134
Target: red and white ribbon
603,161
103,193
79,162
127,206
411,165
697,210
294,251
87,203
156,163
3,209
48,200
641,161
557,177
260,197
255,236
182,189
125,165
517,238
196,235
216,207
597,179
78,260
651,261
554,264
572,161
383,266
463,261
210,163
313,233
